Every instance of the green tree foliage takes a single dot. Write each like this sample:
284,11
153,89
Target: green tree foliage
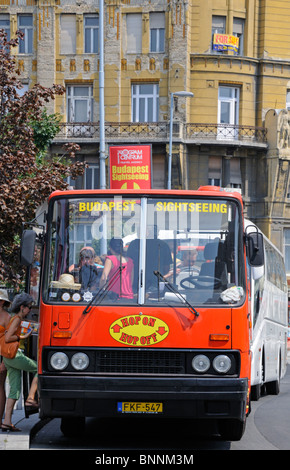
26,176
45,129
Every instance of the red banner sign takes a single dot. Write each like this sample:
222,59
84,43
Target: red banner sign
130,167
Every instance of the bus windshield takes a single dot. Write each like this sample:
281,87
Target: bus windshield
147,250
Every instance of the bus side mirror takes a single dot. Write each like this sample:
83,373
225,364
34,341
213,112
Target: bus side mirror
255,249
27,247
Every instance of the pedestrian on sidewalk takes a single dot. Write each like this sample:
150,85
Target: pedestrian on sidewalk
4,320
21,305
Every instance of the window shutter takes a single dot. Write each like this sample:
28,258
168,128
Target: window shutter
219,24
134,33
157,20
238,26
235,170
215,167
68,34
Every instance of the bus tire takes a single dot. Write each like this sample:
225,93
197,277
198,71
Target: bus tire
256,392
231,429
72,427
259,389
273,388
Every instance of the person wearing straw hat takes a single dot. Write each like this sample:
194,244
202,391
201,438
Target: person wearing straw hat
4,320
66,281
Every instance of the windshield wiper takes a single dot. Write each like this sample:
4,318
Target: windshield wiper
103,290
175,291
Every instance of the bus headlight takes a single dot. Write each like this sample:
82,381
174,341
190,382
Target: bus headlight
59,361
200,363
222,364
80,361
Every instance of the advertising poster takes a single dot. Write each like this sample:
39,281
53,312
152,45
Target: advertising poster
225,42
130,167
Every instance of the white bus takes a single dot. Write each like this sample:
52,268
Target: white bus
269,319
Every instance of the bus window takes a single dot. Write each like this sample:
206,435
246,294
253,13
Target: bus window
195,246
35,272
79,244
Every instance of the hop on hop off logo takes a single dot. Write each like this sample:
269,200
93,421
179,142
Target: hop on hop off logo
139,330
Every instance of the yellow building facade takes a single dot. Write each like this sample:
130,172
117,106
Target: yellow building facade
233,55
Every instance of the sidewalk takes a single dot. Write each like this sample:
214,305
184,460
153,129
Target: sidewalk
28,426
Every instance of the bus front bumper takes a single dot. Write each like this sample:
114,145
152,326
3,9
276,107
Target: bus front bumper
71,396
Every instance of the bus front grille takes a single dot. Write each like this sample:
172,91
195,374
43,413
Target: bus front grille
140,361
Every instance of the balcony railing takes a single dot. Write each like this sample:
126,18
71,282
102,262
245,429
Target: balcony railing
226,132
159,132
113,130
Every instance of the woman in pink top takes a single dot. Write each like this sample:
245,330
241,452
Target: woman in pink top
122,284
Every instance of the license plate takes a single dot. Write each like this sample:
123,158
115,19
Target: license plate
139,407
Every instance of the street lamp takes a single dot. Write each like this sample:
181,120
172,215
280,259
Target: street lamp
176,93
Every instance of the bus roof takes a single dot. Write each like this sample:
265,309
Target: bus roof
211,191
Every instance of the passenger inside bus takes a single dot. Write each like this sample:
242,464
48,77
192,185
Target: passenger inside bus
188,260
86,272
187,266
118,282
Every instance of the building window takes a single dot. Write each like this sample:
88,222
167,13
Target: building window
238,31
79,103
80,235
158,175
5,24
71,182
68,34
157,32
218,27
235,174
228,112
288,100
215,171
92,177
287,249
228,105
145,102
23,90
25,25
91,33
89,180
134,33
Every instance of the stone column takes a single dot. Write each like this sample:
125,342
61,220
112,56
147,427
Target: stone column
45,57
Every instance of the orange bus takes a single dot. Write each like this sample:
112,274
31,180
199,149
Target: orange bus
144,306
